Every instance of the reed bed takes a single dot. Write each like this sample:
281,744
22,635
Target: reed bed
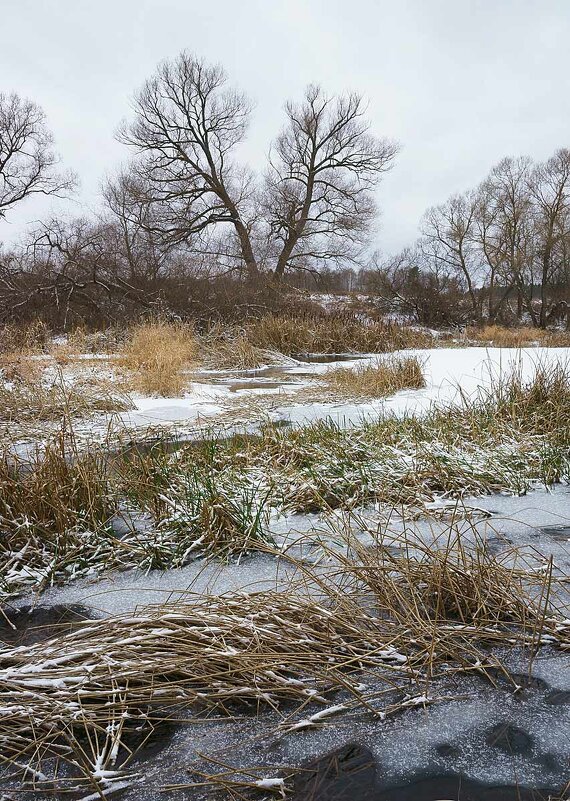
76,708
518,337
292,335
60,508
385,377
225,348
56,512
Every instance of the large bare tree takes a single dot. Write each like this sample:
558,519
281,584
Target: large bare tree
186,127
316,201
319,191
27,160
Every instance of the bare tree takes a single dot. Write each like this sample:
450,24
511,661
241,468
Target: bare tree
507,213
27,161
316,202
143,252
550,191
187,125
319,189
449,232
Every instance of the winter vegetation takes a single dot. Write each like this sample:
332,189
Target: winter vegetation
215,386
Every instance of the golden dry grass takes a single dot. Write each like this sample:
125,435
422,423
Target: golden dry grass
292,335
18,367
501,337
226,348
156,354
376,380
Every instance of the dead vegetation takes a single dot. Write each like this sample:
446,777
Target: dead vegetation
156,354
401,622
226,347
365,630
518,337
35,400
385,377
292,335
215,497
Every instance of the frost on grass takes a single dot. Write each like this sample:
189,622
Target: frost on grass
75,705
61,509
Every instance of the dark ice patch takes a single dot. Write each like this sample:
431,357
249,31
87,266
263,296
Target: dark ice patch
27,625
558,697
509,738
344,775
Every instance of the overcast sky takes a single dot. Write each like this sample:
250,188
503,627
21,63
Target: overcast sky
459,83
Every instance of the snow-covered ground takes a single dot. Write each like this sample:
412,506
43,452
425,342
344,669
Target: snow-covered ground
447,371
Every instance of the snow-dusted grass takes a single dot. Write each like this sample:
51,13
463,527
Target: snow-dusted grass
39,399
89,696
60,510
376,380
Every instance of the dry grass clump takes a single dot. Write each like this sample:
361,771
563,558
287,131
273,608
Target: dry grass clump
18,367
501,337
226,348
70,719
103,341
515,406
292,335
56,508
157,354
17,347
376,380
48,490
26,338
460,583
31,400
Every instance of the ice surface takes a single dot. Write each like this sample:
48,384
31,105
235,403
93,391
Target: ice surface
446,369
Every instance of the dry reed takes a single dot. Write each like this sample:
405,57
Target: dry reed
157,354
82,699
377,380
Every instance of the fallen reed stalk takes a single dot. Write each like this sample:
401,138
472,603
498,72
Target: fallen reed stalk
74,706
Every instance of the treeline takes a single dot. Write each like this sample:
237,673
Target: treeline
497,253
187,230
186,222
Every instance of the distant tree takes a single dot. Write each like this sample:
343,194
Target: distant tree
27,161
449,233
316,200
549,186
413,285
506,202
